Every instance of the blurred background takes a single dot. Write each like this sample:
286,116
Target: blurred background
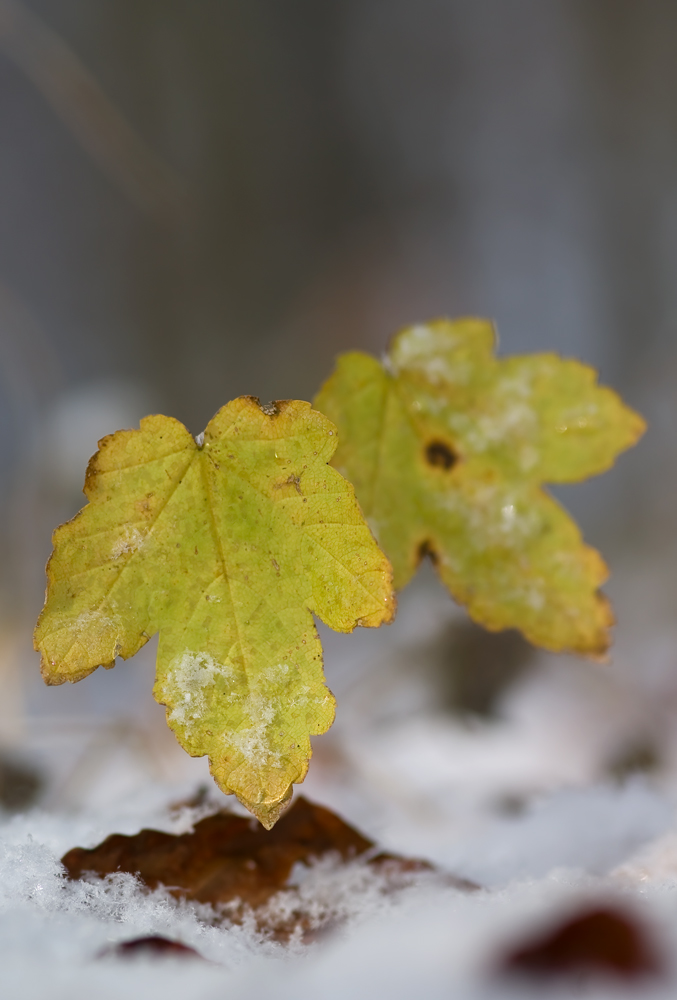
201,200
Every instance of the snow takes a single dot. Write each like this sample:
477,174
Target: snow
129,541
524,804
430,940
252,741
191,674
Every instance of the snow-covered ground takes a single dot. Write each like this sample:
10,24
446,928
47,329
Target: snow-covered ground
551,804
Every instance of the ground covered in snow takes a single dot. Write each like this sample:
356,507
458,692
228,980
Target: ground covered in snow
616,846
563,795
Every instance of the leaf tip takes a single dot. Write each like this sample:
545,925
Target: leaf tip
638,425
384,616
268,813
47,669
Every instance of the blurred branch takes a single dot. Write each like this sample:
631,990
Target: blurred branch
96,123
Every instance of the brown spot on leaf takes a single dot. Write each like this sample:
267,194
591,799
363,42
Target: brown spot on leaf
294,481
91,474
440,454
144,506
593,941
291,480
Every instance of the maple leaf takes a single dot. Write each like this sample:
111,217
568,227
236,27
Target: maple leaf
448,447
224,547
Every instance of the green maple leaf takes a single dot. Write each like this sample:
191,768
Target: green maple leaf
225,548
448,447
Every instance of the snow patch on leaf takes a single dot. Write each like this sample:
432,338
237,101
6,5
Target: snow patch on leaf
193,675
425,350
254,742
129,541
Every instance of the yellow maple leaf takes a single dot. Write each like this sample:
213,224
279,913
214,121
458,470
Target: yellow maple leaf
224,546
448,447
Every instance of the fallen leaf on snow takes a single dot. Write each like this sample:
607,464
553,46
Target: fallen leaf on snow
232,861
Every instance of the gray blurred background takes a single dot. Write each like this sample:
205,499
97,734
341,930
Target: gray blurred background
205,199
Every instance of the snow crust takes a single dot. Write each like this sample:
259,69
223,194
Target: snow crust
525,804
429,940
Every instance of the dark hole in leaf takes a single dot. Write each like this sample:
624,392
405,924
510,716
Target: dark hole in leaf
440,454
596,940
425,549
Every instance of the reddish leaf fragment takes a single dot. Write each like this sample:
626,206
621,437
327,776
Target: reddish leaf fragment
153,946
600,940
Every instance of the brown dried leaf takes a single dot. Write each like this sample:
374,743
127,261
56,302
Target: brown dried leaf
232,861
